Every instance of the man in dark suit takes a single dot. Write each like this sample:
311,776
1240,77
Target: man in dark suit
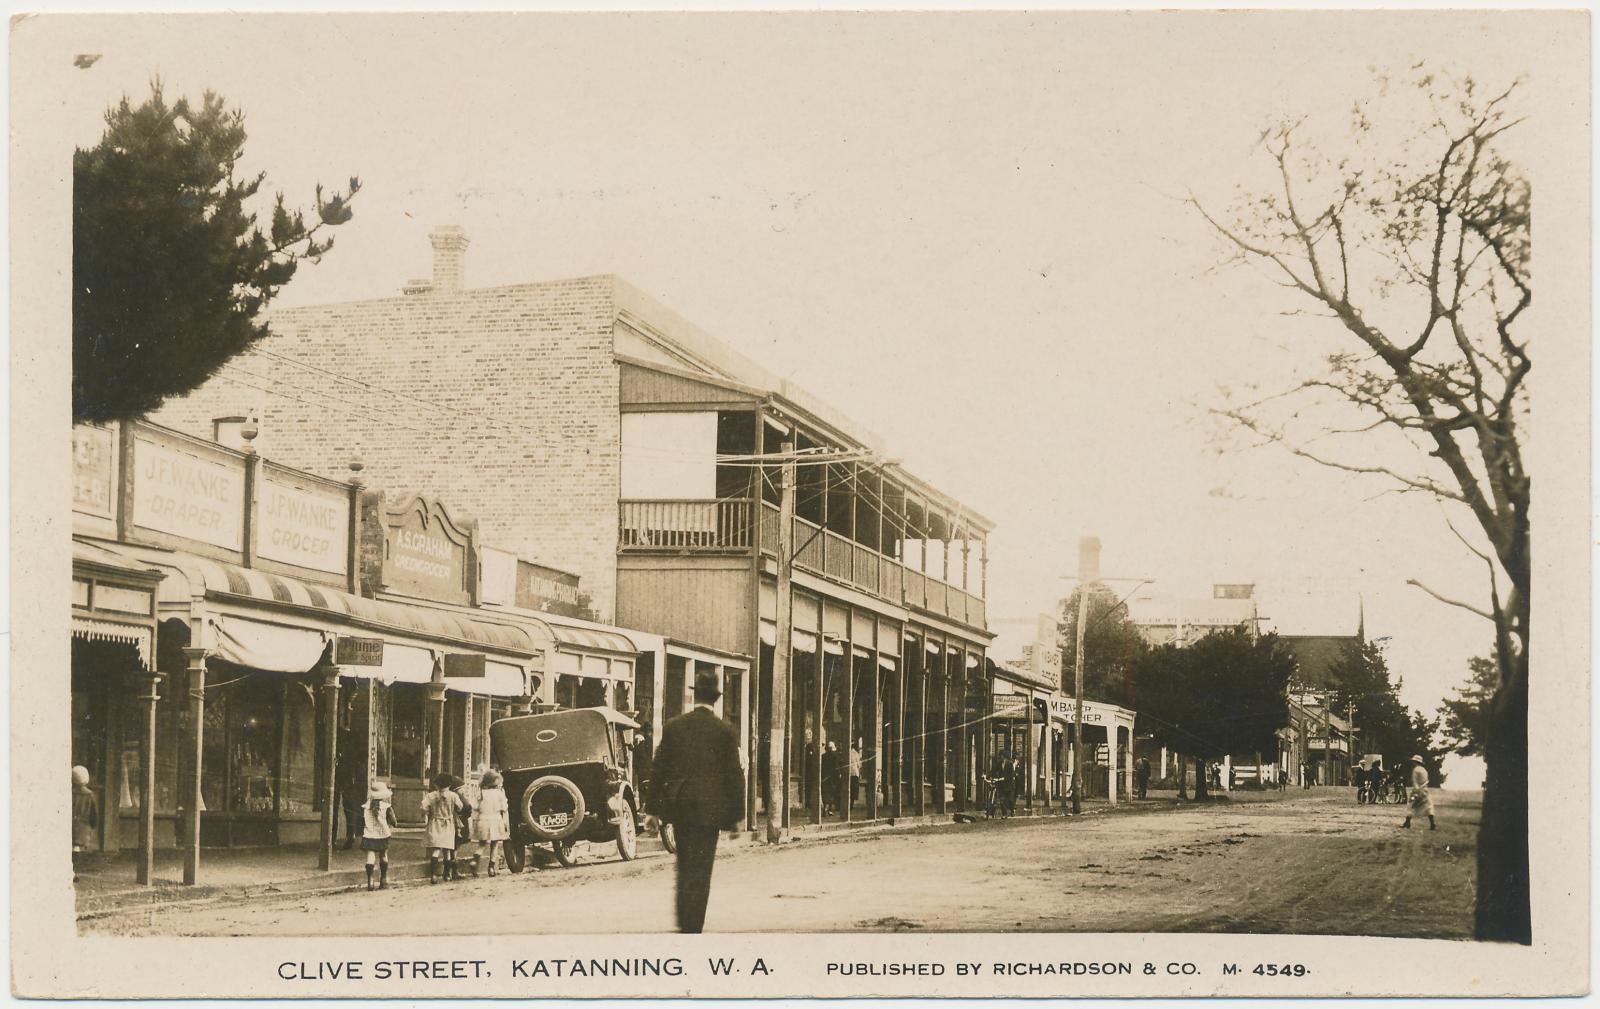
697,786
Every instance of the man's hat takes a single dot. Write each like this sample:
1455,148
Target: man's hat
1415,759
707,685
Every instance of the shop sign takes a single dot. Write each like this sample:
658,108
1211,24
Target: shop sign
425,553
497,577
542,588
1011,705
465,665
348,651
187,494
93,473
304,525
1066,709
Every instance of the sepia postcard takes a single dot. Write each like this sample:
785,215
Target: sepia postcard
958,503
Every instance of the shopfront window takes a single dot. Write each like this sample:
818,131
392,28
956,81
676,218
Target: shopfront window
382,704
131,777
480,732
455,739
252,744
407,709
299,749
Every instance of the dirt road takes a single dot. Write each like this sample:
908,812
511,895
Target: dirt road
1311,864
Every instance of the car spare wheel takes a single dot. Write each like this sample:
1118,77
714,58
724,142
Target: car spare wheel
552,808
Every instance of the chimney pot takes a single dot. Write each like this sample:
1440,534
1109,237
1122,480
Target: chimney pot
1088,559
449,248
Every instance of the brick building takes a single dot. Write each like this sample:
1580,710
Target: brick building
587,427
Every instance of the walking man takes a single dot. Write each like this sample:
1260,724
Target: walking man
698,787
1141,775
1421,802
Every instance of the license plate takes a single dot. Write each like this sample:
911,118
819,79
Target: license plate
554,821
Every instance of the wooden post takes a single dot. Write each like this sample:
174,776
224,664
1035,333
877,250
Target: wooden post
849,720
1077,690
873,757
1027,759
897,752
817,700
758,515
330,774
777,804
144,871
196,670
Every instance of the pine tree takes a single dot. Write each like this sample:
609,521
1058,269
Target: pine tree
170,269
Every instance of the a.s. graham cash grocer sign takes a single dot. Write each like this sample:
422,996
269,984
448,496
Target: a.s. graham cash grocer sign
425,552
302,523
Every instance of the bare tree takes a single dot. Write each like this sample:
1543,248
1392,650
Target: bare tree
1416,248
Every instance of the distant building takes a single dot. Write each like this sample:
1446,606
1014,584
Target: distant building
1166,619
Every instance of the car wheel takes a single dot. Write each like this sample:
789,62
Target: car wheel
669,838
627,836
551,797
563,852
516,855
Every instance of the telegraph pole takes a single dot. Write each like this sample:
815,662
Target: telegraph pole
1077,694
777,802
1089,574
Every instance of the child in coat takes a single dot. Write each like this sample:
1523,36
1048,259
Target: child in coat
464,791
378,827
440,808
85,814
491,825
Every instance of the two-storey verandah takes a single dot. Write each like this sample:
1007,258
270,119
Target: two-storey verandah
887,641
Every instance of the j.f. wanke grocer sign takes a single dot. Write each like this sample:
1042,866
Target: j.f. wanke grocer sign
301,523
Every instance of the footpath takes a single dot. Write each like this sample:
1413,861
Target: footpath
105,886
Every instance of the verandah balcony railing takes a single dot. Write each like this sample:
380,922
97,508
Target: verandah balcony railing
729,526
694,525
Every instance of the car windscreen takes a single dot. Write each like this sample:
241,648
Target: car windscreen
562,737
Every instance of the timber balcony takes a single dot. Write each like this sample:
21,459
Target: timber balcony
729,526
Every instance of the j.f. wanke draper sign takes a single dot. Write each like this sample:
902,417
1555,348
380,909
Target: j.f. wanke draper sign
167,489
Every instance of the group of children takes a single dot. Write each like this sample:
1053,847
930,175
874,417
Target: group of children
451,819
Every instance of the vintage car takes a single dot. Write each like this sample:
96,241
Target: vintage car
566,780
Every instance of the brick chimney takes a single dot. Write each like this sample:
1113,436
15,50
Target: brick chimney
449,247
1088,559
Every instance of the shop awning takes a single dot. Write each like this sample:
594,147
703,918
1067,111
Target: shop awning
588,639
94,629
229,583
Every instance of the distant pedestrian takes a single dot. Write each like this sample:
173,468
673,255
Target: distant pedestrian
85,814
491,819
855,772
1008,784
440,807
698,789
1421,802
991,783
350,779
1283,778
378,825
832,778
1141,775
644,758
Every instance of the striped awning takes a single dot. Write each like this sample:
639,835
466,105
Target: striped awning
230,583
588,639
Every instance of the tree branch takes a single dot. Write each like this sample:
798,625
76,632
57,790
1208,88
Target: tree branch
1485,614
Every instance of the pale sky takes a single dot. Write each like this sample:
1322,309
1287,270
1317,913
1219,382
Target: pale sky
962,230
